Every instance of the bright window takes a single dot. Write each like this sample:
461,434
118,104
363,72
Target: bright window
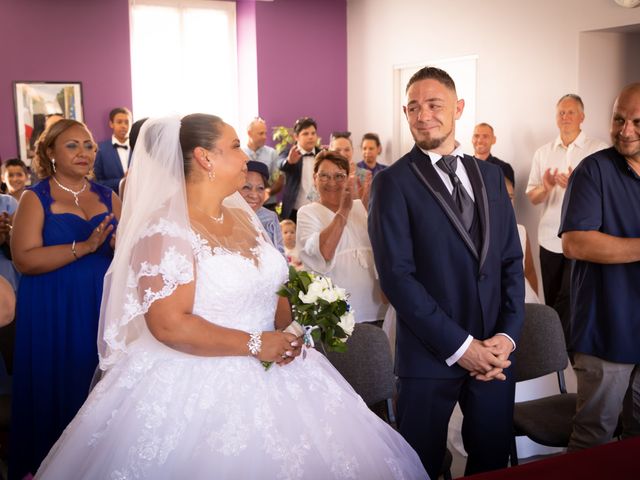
183,55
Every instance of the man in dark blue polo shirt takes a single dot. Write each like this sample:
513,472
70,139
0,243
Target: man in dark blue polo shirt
600,230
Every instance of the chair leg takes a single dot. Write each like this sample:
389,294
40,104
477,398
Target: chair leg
514,452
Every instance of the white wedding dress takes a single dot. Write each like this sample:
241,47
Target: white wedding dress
162,414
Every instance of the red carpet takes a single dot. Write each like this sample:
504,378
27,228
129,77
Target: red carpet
617,460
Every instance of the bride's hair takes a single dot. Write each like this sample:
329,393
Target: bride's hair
198,130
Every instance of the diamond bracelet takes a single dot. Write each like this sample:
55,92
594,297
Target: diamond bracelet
255,343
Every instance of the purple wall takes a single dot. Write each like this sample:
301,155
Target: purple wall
302,62
65,40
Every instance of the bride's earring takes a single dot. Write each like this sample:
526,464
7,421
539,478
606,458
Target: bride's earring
212,174
53,164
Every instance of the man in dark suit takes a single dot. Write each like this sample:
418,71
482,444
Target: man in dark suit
112,159
600,231
447,251
297,164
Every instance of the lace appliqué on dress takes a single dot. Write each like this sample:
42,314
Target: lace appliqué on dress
162,259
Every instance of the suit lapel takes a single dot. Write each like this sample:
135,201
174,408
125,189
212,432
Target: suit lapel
482,202
426,173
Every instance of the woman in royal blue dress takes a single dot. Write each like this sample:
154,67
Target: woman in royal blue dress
62,243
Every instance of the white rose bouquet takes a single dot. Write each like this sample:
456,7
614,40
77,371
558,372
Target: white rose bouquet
320,309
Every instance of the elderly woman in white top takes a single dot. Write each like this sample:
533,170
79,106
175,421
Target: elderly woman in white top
333,239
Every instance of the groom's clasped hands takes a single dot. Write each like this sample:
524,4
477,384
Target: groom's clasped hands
487,359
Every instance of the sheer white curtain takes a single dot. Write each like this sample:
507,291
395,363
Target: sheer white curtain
183,55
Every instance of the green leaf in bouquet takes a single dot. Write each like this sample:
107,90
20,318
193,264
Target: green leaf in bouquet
305,281
317,335
284,291
293,273
340,308
329,335
305,307
325,323
338,346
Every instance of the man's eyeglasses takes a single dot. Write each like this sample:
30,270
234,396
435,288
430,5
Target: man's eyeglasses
336,177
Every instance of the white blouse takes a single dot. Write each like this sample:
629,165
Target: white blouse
352,266
530,295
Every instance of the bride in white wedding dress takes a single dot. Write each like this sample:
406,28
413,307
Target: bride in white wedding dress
189,311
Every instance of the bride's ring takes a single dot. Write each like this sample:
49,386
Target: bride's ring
98,229
284,355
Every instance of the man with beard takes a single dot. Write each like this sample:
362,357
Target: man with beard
600,230
447,251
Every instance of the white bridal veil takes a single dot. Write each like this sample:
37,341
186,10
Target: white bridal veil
153,253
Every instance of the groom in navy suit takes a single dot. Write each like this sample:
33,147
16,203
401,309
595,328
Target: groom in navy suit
112,159
447,251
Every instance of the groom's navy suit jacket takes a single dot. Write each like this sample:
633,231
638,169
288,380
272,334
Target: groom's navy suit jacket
442,287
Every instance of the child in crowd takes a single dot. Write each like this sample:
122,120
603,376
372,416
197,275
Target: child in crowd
290,250
15,175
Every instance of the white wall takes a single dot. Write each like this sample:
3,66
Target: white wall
606,61
528,56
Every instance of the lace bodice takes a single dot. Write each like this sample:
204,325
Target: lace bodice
232,290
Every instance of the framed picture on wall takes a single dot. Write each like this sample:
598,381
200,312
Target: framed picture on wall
39,103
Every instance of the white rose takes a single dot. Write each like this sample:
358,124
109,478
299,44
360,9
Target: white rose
312,294
340,293
324,282
329,295
347,323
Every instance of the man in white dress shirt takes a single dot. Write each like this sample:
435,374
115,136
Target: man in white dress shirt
552,165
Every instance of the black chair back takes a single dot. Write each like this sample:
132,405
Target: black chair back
367,363
541,349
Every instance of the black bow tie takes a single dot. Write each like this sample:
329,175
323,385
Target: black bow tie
309,154
117,145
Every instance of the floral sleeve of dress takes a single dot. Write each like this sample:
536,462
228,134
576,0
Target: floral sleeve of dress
160,259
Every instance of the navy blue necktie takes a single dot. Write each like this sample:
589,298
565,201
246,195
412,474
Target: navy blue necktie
449,163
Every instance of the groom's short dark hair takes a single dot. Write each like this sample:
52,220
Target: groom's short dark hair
433,73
